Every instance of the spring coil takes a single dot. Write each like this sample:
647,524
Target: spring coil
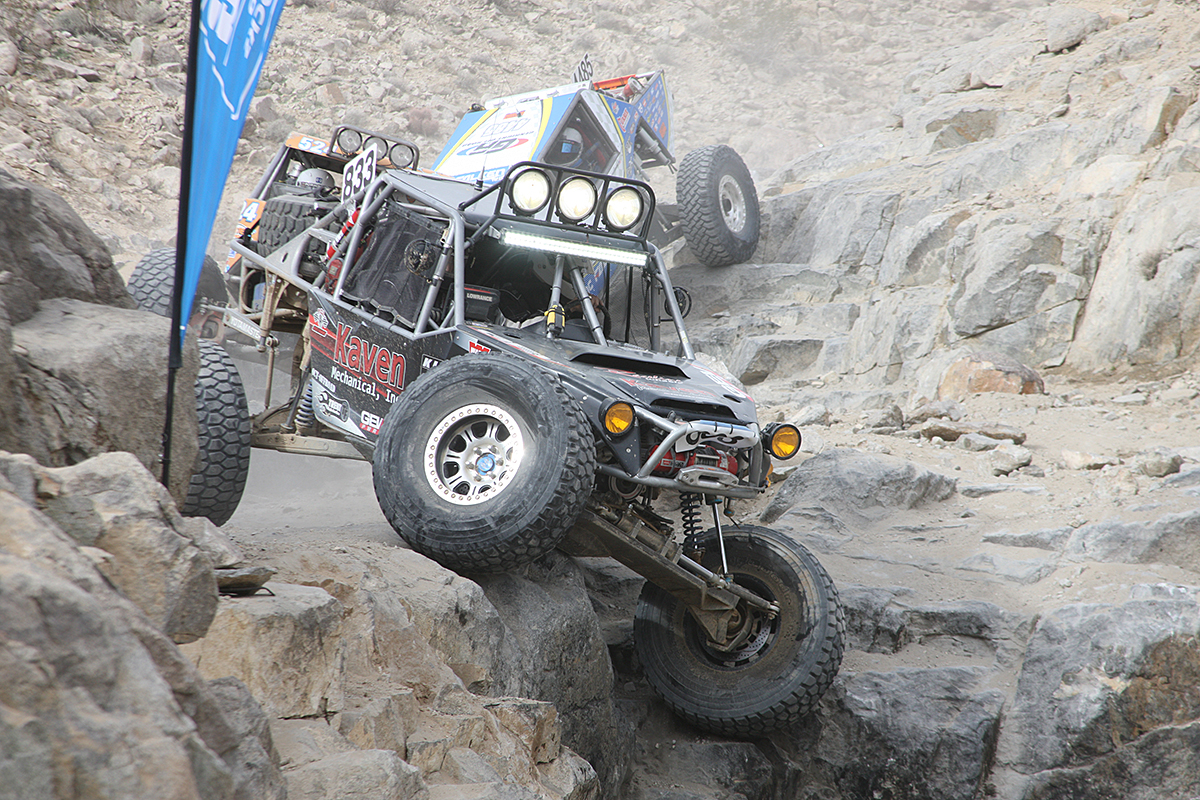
305,418
689,510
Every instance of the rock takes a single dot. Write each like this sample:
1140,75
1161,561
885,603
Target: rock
1025,571
890,417
240,581
950,431
940,409
846,482
1046,539
812,414
1158,462
10,58
1097,678
51,252
1073,459
1167,540
120,707
988,372
287,648
164,182
113,503
1007,458
977,442
759,357
1067,27
85,365
925,733
359,773
549,617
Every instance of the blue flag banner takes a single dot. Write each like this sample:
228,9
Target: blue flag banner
232,44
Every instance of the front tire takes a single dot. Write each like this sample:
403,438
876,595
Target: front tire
152,283
223,457
718,206
778,673
484,463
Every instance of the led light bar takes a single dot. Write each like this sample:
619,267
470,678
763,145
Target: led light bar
569,248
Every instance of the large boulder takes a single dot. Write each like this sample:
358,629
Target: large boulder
75,357
98,702
858,486
1101,684
83,368
112,504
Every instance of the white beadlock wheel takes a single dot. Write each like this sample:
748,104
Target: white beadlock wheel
473,454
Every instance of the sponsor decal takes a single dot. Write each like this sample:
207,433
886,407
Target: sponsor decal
428,363
320,320
333,407
475,347
360,364
370,422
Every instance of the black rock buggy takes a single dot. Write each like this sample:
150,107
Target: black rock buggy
512,360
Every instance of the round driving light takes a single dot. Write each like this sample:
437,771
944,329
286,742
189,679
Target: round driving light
785,441
576,199
379,146
348,141
618,418
401,155
623,209
530,191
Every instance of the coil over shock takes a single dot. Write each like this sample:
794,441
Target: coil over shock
689,510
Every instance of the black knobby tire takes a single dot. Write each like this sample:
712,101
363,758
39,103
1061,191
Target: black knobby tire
718,205
152,283
779,674
484,463
223,456
285,217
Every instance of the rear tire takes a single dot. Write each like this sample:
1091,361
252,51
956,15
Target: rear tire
778,674
484,463
223,457
718,206
152,283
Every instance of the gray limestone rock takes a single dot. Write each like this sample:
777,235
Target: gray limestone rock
849,483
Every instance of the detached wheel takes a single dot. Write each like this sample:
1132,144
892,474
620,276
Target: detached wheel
152,282
718,205
771,671
484,463
223,457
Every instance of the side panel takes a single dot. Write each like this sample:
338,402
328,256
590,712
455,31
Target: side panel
359,370
487,143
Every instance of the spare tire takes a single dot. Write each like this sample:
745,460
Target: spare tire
285,217
718,205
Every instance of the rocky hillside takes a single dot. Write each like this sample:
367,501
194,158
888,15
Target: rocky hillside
91,93
976,290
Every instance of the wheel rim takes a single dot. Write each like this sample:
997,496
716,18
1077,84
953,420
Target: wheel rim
751,633
733,203
473,454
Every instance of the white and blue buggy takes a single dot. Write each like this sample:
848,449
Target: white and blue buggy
499,337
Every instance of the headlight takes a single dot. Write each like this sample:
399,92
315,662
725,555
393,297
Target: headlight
401,155
623,208
380,147
530,191
618,418
576,199
783,440
348,141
